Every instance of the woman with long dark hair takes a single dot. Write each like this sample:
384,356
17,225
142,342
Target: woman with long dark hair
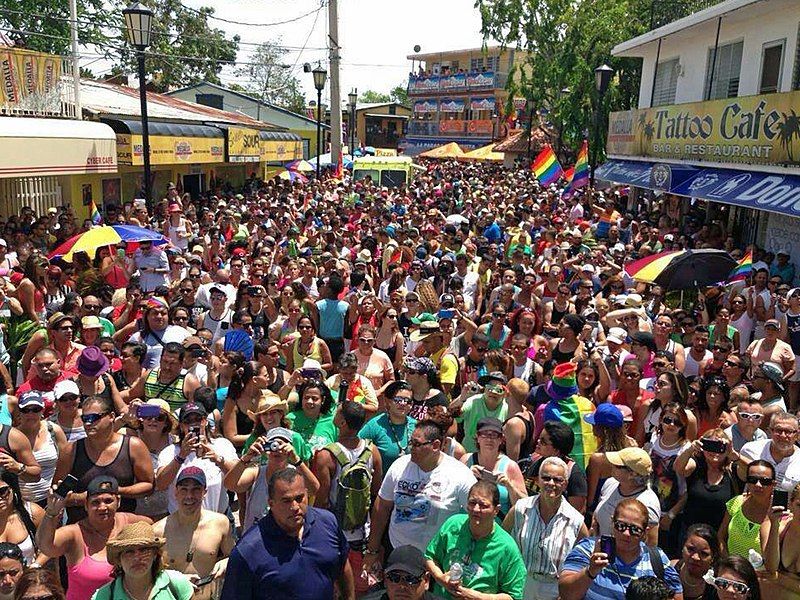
313,419
35,584
246,386
32,290
699,553
712,404
736,579
19,519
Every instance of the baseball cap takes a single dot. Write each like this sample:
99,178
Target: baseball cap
102,484
33,398
493,376
193,473
445,299
279,433
772,323
617,335
606,415
408,559
635,459
490,424
192,408
62,388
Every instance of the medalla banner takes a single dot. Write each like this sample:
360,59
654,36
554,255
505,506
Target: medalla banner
757,130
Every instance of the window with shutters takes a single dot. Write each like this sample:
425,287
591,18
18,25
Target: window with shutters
771,67
724,71
666,82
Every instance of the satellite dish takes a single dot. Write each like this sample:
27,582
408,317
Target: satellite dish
417,48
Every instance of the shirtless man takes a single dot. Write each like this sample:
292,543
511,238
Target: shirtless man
198,541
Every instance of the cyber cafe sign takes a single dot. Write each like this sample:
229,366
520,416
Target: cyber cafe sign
749,130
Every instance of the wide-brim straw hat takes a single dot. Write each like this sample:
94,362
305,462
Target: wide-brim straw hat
135,535
267,402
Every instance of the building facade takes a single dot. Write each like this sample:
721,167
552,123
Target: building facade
458,96
719,117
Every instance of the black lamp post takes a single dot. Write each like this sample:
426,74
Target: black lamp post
562,95
320,75
352,98
602,77
138,23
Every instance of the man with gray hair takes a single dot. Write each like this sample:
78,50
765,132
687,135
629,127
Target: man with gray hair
779,450
546,528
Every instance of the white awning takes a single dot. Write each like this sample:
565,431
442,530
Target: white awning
30,147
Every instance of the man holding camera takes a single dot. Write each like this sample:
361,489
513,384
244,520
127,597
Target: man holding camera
472,405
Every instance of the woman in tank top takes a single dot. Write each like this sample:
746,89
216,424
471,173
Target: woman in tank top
21,520
247,384
308,346
47,440
568,346
68,410
105,452
93,379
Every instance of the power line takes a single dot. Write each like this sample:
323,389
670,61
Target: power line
298,18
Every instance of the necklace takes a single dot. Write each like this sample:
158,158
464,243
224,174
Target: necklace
395,439
131,595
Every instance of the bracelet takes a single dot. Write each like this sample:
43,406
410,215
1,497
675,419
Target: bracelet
178,459
296,464
49,516
367,551
589,574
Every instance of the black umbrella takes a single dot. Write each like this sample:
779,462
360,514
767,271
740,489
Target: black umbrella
683,269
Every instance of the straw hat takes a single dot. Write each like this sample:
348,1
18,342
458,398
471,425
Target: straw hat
164,406
268,401
135,535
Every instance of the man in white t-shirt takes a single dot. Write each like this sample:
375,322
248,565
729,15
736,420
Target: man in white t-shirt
419,492
780,450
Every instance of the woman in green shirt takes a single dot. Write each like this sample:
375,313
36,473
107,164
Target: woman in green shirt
314,419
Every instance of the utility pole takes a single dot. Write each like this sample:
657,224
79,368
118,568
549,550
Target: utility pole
336,102
76,68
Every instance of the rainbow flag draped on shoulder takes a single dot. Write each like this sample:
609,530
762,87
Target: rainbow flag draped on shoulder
580,172
546,167
742,269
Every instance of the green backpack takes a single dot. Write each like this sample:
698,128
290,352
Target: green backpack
354,487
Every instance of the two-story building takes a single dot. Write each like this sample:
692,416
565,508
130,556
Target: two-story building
458,96
719,116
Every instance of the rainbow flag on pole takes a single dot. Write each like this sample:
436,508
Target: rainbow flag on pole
580,175
546,167
742,269
97,218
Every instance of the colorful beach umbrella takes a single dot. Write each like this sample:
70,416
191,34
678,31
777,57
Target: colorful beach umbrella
300,165
683,269
293,176
107,235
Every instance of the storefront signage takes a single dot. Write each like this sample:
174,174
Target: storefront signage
480,80
244,145
385,152
424,84
281,150
425,106
29,80
169,150
452,105
481,103
453,82
762,130
452,126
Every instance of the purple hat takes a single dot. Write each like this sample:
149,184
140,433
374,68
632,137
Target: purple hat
92,362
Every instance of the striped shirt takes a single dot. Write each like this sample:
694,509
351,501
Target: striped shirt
612,582
545,546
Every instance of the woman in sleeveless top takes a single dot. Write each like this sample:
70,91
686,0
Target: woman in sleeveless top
115,267
32,289
83,544
132,357
21,520
490,463
229,362
47,440
105,452
68,410
568,346
247,385
780,537
389,338
699,554
93,378
177,228
308,346
56,291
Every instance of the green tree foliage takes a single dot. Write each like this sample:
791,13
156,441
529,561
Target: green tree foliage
373,97
268,77
564,41
399,94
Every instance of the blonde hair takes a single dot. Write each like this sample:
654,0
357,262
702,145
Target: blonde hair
518,388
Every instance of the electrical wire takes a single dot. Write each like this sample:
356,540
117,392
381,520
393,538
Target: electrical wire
274,24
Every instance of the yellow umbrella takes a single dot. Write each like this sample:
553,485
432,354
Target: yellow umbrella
486,153
449,150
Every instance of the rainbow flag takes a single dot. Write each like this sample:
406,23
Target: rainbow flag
569,173
546,167
97,218
580,171
742,269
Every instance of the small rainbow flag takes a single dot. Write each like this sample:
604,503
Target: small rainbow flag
97,218
569,173
546,167
580,176
742,269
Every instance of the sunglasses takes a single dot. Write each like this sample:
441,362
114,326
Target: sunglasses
489,435
403,578
366,340
671,421
499,315
5,491
733,363
622,527
93,418
723,584
660,365
765,481
553,478
31,409
750,416
720,349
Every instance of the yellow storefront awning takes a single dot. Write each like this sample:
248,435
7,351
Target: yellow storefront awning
280,146
31,147
170,143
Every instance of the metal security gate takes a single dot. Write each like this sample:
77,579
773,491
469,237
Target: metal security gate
39,193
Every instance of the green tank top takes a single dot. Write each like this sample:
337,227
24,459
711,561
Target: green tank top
743,534
171,391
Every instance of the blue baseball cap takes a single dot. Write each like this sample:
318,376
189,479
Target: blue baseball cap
606,415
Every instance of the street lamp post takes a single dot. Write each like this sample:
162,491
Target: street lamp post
138,23
352,98
320,75
563,94
602,77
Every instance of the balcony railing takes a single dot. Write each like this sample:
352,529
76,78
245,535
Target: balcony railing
452,84
36,85
663,12
452,127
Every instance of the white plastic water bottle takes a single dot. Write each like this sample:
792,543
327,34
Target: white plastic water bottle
755,559
456,572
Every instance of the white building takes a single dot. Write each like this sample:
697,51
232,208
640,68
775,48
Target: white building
719,116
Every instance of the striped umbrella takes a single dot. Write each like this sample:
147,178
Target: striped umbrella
107,235
683,269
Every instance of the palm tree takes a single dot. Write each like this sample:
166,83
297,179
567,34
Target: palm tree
648,131
787,131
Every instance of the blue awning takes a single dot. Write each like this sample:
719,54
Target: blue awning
773,192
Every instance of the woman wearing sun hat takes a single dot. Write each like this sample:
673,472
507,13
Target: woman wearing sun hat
139,574
93,378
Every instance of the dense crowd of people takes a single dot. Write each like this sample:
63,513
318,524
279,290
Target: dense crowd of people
450,389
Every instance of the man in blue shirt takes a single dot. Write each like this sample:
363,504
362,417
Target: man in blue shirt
332,314
492,232
296,551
